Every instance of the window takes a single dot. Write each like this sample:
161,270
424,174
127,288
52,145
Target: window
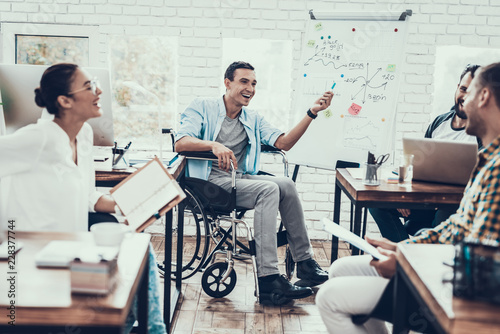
272,60
450,62
143,80
43,44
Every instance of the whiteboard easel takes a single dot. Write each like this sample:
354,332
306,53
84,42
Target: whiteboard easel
358,56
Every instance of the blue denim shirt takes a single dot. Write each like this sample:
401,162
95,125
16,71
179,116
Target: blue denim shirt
203,118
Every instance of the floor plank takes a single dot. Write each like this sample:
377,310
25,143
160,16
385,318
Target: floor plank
239,312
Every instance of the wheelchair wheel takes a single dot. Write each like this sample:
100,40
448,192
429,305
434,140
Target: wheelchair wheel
196,237
210,281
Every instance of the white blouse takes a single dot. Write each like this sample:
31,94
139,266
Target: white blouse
42,189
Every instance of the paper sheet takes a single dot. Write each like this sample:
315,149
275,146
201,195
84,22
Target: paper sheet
351,238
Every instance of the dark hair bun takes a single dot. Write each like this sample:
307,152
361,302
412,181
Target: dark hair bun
39,98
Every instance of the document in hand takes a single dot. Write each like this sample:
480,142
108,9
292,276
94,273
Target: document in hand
351,238
146,194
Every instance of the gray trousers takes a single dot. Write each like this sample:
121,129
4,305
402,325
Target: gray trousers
268,194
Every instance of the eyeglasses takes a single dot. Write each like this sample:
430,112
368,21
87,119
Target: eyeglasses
93,85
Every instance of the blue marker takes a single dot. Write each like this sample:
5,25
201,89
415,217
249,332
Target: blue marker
333,86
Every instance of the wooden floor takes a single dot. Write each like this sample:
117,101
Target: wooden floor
239,312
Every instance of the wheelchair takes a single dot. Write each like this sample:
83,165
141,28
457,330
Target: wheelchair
211,216
219,206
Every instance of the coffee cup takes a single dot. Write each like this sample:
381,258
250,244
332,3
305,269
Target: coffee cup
108,234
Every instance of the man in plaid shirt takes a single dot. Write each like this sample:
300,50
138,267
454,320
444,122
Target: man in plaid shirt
356,283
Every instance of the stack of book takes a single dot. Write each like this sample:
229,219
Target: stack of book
94,273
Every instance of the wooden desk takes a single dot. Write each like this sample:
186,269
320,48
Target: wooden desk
415,195
110,178
419,275
43,299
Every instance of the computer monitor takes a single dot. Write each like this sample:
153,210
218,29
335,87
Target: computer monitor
17,85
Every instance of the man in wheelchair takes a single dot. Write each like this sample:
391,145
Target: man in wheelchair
235,134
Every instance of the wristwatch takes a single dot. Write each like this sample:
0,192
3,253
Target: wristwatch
310,114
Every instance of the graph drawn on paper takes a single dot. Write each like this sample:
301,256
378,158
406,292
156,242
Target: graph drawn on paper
328,54
361,133
317,86
370,86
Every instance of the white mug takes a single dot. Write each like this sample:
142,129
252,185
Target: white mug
108,234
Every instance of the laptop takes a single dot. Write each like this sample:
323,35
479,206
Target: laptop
441,161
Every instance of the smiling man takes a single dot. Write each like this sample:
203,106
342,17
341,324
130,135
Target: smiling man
448,126
357,282
234,133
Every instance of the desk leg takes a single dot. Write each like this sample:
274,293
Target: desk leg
357,225
143,306
336,219
168,270
170,301
180,243
400,302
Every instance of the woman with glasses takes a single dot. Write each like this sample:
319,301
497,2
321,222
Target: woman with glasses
48,169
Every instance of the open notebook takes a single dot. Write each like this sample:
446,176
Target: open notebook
147,194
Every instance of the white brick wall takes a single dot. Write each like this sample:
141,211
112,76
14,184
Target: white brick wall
200,25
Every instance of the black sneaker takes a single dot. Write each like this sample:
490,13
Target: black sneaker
310,273
281,291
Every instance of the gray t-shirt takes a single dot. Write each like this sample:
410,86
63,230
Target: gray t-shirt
232,135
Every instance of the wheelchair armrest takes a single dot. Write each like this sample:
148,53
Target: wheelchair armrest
207,155
269,149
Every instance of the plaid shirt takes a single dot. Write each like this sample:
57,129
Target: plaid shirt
479,212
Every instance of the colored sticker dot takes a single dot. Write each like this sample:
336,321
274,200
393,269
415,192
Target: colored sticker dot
353,29
322,37
329,37
342,116
396,30
305,75
383,119
341,75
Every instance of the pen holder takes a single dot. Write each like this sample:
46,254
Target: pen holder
120,161
372,174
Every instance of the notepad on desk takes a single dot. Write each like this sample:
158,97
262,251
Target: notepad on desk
169,160
146,194
60,253
351,238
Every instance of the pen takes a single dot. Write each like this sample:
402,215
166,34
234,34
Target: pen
128,145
